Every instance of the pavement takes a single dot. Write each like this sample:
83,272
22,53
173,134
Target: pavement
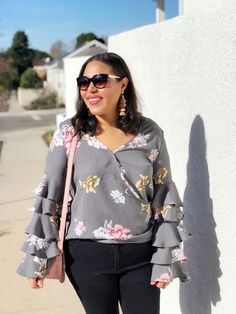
21,168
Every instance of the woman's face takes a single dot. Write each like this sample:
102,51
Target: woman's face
103,102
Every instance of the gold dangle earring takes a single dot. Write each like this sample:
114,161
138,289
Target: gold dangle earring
122,106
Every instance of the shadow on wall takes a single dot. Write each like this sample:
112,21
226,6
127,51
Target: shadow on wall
198,295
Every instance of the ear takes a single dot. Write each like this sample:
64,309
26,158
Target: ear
124,83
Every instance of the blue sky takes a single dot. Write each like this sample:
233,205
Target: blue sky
46,21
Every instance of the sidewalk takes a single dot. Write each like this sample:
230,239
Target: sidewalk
21,168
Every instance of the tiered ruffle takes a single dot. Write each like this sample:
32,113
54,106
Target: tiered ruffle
169,259
41,243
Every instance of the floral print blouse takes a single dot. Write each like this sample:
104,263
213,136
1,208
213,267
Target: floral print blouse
121,196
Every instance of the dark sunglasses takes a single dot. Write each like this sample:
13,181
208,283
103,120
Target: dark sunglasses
98,80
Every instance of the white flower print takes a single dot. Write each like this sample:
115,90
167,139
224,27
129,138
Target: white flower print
42,185
153,155
42,266
79,228
117,232
92,141
118,197
178,255
79,185
139,140
37,242
100,232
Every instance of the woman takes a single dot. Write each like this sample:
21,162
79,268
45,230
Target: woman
124,232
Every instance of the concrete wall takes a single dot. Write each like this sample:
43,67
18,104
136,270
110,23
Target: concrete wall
26,95
185,74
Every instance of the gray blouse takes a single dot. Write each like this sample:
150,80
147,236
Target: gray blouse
121,196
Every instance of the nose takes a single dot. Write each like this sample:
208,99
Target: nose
92,88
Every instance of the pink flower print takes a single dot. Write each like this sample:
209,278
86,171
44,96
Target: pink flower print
139,140
118,233
158,210
183,257
80,228
68,135
165,278
153,155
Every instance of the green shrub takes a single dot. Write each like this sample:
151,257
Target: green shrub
44,102
48,136
30,79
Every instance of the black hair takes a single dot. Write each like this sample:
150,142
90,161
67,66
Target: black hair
83,122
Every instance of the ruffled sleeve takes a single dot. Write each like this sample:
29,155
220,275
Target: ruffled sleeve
169,259
42,232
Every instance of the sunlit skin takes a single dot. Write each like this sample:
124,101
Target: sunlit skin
103,104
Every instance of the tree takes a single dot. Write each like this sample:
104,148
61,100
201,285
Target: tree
58,49
20,53
8,74
30,79
40,55
20,57
84,37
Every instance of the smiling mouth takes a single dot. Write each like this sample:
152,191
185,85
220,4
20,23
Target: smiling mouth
94,101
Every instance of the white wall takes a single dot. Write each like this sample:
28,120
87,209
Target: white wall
26,95
56,83
72,68
192,5
185,73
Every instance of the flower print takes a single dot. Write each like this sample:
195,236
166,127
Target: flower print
158,210
39,243
42,266
79,228
118,197
43,184
160,176
68,135
54,220
91,183
57,139
145,207
165,278
153,155
165,210
142,183
100,233
139,140
179,214
117,232
79,185
178,256
62,137
93,141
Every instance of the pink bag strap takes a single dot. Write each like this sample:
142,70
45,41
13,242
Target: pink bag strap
66,192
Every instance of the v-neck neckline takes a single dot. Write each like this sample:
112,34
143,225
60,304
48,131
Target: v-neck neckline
118,148
123,145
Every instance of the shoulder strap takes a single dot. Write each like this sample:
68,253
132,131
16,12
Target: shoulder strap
66,192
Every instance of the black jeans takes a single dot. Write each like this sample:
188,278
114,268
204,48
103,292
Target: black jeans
104,274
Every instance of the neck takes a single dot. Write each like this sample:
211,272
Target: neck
105,123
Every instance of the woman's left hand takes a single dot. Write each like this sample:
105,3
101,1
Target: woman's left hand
159,284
